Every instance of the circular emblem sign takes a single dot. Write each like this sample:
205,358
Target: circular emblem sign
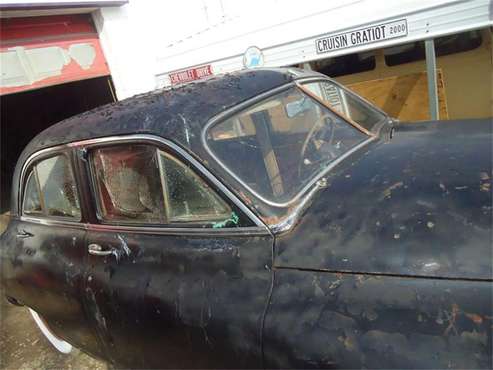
253,57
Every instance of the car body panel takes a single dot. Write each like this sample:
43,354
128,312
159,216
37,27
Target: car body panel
342,320
46,272
418,204
180,301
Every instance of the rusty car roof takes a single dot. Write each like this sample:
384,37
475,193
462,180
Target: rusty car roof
168,112
178,113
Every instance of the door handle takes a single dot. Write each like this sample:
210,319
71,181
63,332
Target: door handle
97,250
23,234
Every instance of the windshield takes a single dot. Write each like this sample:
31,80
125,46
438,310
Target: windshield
277,146
346,103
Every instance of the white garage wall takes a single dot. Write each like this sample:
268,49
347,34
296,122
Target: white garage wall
133,36
138,37
144,40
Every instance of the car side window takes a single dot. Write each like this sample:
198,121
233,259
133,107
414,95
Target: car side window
128,184
32,202
50,189
188,197
141,184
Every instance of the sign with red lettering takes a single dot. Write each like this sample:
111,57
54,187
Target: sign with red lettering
190,74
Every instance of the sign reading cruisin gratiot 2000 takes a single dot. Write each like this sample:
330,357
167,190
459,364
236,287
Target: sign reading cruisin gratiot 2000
362,36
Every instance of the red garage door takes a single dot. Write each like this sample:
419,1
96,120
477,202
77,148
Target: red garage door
44,51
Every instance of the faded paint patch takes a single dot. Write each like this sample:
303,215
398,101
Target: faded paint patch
387,193
83,54
124,251
21,66
485,182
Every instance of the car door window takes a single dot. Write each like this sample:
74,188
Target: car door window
128,184
188,196
140,184
32,202
50,189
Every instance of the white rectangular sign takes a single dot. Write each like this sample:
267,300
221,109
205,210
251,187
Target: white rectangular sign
362,36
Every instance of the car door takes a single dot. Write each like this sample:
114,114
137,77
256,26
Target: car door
178,269
44,249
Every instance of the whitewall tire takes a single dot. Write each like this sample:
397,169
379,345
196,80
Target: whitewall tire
58,343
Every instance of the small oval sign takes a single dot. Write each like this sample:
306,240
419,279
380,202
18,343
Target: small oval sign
253,57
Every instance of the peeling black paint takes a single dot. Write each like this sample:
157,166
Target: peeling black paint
404,207
185,301
327,320
46,273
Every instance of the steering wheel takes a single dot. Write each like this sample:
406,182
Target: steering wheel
317,139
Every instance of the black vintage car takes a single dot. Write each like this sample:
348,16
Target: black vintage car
266,218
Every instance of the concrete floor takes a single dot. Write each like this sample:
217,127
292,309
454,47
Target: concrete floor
23,346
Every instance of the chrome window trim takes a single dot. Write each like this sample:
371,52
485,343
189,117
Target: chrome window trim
53,222
103,141
163,230
227,114
159,230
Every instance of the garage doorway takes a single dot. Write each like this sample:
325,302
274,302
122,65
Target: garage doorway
25,114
